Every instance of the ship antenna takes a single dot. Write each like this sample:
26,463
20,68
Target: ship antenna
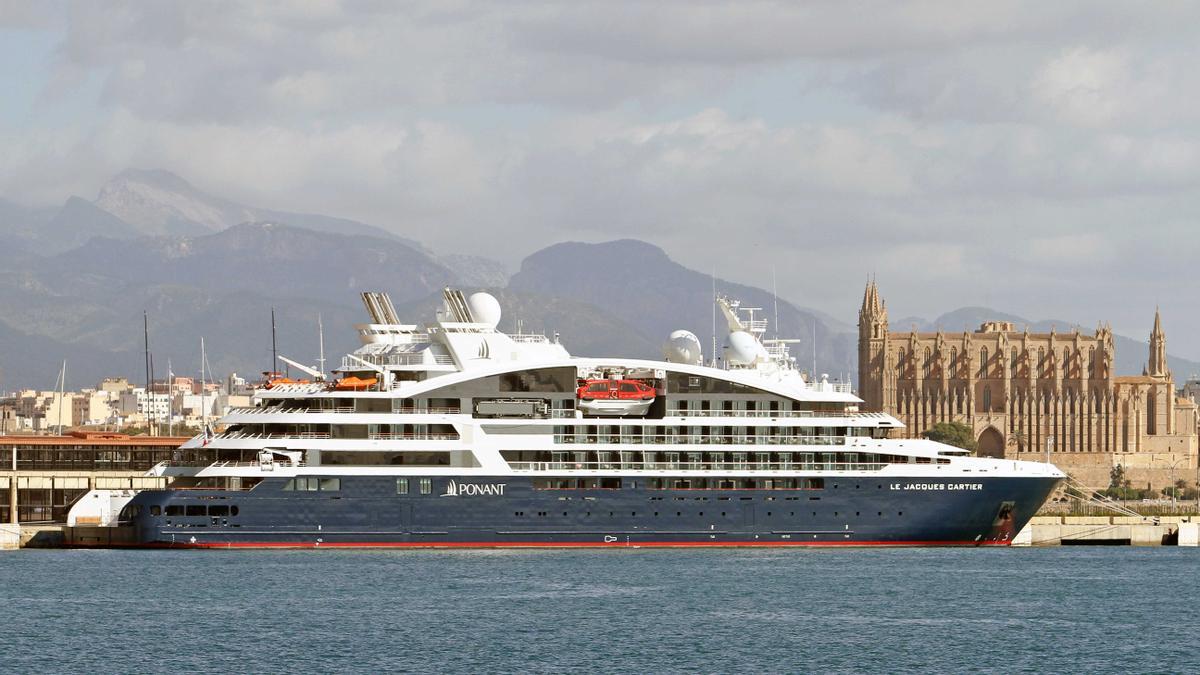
713,302
813,375
321,338
775,297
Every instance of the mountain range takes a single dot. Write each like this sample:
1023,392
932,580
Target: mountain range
75,280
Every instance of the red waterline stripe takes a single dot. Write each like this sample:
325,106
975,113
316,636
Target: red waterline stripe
566,544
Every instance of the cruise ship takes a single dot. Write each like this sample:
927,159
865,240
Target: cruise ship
454,434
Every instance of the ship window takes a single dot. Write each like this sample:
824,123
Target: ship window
301,484
215,510
331,484
426,486
598,386
156,510
628,386
174,510
233,510
195,510
401,486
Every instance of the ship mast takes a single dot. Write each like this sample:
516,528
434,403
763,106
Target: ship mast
321,342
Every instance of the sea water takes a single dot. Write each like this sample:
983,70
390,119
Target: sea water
1064,609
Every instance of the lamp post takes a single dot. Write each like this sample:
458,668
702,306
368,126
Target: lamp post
1174,489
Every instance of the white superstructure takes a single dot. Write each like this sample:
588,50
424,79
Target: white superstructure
457,396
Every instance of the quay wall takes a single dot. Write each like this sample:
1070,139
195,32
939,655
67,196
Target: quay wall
1096,530
1154,469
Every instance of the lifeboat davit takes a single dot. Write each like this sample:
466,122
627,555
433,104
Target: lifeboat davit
614,398
353,383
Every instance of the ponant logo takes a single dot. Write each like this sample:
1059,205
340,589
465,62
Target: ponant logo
456,489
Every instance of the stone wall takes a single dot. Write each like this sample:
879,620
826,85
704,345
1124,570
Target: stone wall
1156,469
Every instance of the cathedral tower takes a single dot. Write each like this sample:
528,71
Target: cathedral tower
1158,350
872,349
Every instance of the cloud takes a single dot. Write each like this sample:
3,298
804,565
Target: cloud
966,153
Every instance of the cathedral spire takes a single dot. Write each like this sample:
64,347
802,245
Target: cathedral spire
872,317
1158,348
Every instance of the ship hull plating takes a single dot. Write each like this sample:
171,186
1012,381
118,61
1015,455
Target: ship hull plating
507,511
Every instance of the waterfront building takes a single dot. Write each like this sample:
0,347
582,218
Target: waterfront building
42,476
147,405
1024,393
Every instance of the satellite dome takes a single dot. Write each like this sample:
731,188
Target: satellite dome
742,349
485,308
683,347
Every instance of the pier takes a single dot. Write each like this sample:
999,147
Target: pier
1110,531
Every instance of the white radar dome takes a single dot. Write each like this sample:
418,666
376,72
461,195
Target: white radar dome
485,308
683,347
742,349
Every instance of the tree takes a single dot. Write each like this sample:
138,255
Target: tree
1116,477
1018,439
952,433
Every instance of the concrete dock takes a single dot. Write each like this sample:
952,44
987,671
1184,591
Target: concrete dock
1109,531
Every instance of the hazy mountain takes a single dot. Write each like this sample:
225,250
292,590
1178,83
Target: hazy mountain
472,270
158,202
221,285
640,285
266,258
77,222
1131,356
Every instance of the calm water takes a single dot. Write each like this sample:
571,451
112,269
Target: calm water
1060,609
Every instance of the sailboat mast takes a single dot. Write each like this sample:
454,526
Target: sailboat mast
146,347
204,392
151,413
62,393
170,402
274,352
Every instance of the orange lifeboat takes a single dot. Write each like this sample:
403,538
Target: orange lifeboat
353,383
271,379
614,397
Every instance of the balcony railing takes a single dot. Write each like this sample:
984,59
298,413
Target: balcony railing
257,410
323,435
403,359
706,439
681,412
696,466
413,437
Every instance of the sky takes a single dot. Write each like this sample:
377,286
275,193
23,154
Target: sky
1041,159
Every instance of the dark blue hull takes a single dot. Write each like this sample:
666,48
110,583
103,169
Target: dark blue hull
475,512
